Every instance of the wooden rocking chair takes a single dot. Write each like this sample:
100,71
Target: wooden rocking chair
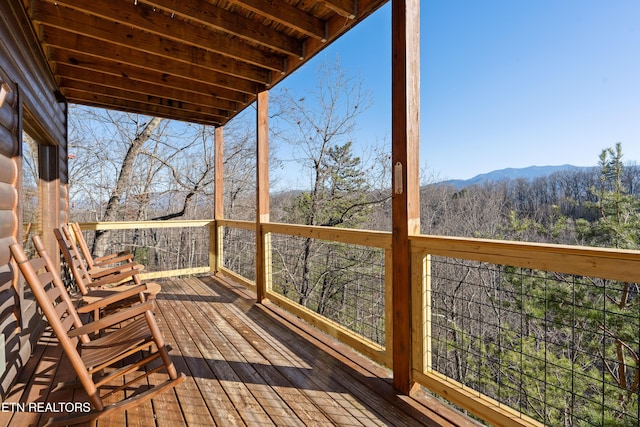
98,263
96,299
137,344
106,281
103,275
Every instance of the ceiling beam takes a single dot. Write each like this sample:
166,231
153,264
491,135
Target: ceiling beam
79,61
140,98
148,109
148,32
215,17
177,65
336,26
69,73
346,8
288,15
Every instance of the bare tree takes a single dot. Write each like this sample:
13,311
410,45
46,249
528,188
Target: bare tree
321,129
143,167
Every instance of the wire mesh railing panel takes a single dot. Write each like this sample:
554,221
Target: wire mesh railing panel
239,252
159,249
342,282
562,349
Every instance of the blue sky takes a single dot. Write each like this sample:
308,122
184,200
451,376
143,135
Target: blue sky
506,83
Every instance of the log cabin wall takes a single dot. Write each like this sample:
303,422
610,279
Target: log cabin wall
28,103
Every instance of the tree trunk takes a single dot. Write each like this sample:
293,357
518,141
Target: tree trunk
124,178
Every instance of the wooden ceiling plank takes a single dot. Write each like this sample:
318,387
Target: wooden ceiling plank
186,117
87,63
213,16
110,102
287,15
140,98
68,73
182,46
178,64
74,20
171,51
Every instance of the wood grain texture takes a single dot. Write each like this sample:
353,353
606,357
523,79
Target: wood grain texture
220,51
405,140
253,364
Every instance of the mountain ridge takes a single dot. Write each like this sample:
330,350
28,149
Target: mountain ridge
529,173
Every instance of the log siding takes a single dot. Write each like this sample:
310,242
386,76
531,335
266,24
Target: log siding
30,103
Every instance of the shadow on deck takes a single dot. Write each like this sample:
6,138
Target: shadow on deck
247,364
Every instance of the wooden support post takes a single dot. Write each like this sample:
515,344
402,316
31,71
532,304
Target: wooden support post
263,249
215,232
405,133
49,198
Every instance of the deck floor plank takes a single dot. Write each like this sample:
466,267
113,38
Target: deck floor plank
248,408
285,404
248,364
348,378
202,398
287,368
35,383
226,362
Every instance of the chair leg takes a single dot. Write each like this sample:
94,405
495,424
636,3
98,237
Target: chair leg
162,349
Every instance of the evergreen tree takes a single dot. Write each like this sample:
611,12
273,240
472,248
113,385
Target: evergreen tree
570,345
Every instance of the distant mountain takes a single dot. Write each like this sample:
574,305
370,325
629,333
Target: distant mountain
528,173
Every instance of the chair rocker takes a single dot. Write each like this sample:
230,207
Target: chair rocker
137,344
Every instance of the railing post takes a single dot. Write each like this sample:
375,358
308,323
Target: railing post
215,247
405,139
388,305
421,309
216,234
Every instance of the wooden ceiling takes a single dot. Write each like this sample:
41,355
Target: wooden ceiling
200,61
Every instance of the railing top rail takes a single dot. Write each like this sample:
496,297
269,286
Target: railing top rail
376,239
608,263
237,223
128,225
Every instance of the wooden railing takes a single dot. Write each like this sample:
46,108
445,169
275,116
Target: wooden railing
549,276
488,257
370,239
206,266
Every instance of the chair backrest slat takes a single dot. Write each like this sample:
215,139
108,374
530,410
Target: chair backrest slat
62,310
53,293
82,245
37,263
71,255
67,323
46,277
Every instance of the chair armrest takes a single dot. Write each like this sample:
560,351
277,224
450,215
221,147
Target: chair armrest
117,296
101,272
109,258
114,319
124,259
114,279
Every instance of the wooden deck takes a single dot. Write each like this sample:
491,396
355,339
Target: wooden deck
247,364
